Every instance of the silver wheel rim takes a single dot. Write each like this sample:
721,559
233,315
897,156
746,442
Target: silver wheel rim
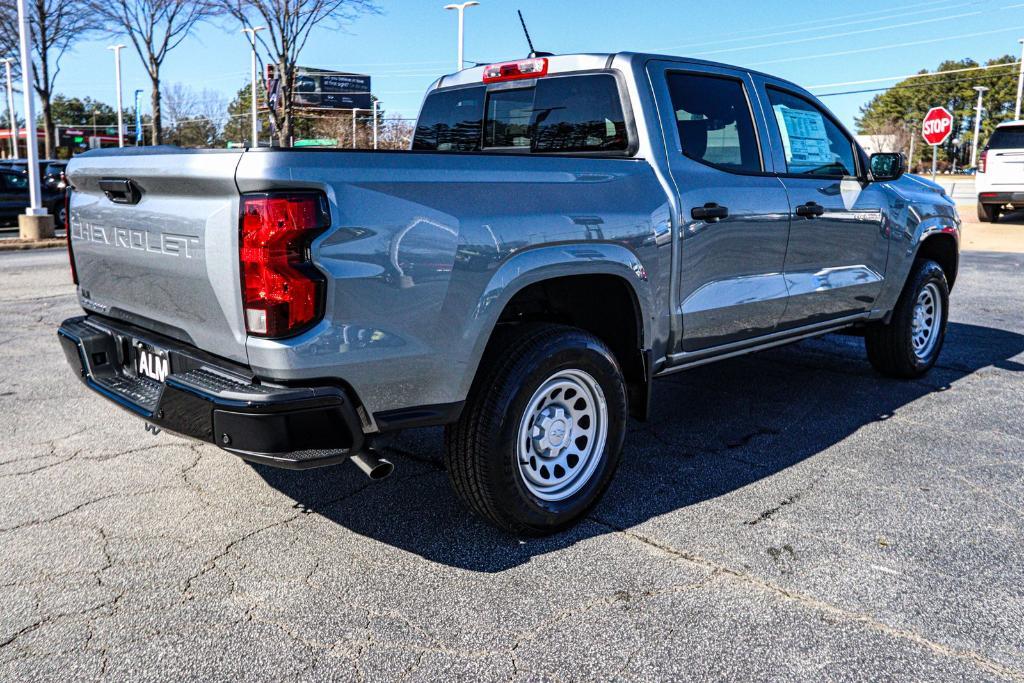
924,329
562,435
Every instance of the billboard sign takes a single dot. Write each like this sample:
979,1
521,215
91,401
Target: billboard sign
320,89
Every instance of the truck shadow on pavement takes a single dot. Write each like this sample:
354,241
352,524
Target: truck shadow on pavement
715,429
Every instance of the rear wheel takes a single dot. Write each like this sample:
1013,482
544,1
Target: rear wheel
909,344
989,213
542,431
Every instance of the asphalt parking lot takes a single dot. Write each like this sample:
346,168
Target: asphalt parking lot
789,515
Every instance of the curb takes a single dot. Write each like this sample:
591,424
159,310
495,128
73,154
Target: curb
21,245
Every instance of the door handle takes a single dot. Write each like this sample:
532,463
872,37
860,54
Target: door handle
810,210
710,212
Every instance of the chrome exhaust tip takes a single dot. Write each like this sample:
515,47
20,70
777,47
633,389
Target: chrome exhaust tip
372,466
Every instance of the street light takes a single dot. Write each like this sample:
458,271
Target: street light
10,109
36,223
462,11
1020,81
977,126
251,32
117,78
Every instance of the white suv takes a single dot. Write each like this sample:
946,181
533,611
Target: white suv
1000,177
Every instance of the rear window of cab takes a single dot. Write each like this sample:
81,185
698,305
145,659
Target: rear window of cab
559,114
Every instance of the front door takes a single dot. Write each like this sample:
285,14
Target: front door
734,216
835,264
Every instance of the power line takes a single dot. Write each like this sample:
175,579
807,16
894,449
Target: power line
914,75
813,24
831,35
842,53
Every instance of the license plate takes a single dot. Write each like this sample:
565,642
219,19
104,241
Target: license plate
150,362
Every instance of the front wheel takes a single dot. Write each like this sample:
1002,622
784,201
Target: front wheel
542,430
909,344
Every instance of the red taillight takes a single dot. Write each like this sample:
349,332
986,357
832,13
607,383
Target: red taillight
282,292
67,231
512,71
982,160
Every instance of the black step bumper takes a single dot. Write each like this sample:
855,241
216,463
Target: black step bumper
213,400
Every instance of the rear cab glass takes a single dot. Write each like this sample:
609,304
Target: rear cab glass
552,115
1007,137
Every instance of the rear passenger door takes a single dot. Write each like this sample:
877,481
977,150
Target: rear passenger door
734,222
836,260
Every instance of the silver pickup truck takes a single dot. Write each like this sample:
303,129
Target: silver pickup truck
564,230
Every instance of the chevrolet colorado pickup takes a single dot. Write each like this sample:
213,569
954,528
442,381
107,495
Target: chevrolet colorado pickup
564,230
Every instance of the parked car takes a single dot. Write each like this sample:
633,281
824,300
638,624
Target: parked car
564,230
14,197
999,180
22,165
53,175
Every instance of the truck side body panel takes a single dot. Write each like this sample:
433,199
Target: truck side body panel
415,257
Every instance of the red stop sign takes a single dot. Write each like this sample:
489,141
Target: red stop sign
937,125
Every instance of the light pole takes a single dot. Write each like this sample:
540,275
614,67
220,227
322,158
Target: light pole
375,104
462,23
977,126
1020,81
10,109
251,32
117,78
36,223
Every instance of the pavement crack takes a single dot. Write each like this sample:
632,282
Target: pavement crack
834,611
771,512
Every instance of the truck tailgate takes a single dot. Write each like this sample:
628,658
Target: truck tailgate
155,242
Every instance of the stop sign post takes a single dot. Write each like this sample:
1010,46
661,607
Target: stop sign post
936,127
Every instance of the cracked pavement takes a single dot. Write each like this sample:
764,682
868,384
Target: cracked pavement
788,515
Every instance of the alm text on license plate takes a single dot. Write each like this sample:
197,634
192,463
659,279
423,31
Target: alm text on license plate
151,362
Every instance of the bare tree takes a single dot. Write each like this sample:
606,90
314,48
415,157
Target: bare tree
288,24
396,133
194,118
155,27
56,25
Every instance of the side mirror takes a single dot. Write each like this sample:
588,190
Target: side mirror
888,165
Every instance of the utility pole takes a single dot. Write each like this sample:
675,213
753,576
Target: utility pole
462,23
913,135
375,124
36,223
251,32
120,106
10,109
977,126
1020,81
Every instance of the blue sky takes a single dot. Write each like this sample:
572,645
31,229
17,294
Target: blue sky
412,41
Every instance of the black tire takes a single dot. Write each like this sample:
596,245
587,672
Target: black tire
989,213
481,448
890,346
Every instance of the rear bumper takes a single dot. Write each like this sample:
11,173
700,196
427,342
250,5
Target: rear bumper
212,400
1003,197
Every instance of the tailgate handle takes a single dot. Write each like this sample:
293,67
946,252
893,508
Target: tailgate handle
121,190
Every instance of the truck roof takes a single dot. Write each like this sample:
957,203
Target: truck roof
585,61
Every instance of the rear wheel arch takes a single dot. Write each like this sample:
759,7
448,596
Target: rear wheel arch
603,304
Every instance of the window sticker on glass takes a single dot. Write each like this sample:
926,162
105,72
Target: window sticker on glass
804,136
